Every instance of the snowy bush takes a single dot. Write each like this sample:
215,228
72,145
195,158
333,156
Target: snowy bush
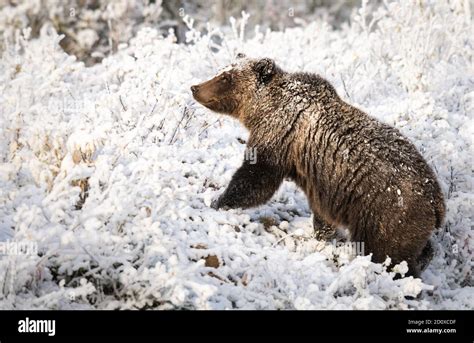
109,170
92,29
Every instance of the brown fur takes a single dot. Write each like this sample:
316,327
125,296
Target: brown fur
356,172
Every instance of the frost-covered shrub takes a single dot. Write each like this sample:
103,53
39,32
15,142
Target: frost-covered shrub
92,29
110,170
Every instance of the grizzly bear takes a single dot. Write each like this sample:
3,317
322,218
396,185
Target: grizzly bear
357,172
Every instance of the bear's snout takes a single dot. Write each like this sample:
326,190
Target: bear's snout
215,94
194,89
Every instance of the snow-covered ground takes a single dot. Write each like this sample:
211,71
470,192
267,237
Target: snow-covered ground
107,172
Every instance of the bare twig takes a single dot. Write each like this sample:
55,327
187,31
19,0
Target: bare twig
185,113
189,119
345,88
208,126
452,183
121,101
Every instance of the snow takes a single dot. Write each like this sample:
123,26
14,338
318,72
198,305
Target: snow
110,170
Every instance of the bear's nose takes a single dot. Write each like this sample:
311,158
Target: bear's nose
194,89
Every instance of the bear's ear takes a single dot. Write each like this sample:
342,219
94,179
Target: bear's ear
265,69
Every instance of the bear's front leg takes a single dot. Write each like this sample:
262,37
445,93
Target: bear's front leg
252,184
322,230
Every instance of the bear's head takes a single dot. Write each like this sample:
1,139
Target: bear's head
235,85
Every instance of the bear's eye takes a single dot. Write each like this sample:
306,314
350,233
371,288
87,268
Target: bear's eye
226,77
